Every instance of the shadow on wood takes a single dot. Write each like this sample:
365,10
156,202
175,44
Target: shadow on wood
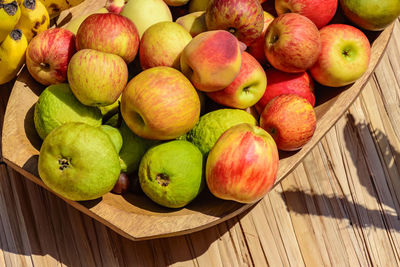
386,216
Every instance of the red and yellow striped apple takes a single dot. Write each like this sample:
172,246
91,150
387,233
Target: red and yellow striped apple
160,103
292,43
280,83
242,18
115,6
97,78
246,89
211,60
256,49
344,55
48,55
291,121
243,164
320,12
110,33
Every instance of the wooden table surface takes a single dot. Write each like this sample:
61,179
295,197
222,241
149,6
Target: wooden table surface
339,207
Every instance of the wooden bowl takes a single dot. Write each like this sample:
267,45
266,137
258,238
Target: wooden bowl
134,215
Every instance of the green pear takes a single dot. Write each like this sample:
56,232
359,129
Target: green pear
171,173
110,110
57,105
133,149
115,136
78,162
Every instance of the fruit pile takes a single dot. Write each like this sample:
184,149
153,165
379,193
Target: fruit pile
20,21
137,101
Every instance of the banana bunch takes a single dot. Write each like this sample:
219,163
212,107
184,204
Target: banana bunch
34,18
54,7
10,13
19,23
12,55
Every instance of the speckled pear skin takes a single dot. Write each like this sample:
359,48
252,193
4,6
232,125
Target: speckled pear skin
171,173
78,162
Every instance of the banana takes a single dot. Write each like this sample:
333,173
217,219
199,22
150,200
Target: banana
9,16
12,55
34,18
54,7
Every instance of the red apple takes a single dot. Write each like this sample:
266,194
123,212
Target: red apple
110,33
280,83
318,11
292,43
115,6
344,55
160,103
246,89
242,18
243,164
211,60
256,49
291,121
48,55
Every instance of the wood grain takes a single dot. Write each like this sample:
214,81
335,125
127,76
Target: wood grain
135,216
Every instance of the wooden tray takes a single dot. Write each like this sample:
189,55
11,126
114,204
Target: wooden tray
133,215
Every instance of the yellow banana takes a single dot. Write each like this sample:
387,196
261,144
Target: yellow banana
12,55
34,18
9,16
54,7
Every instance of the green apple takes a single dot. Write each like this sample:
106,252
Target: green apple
373,15
97,78
145,13
194,23
162,45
